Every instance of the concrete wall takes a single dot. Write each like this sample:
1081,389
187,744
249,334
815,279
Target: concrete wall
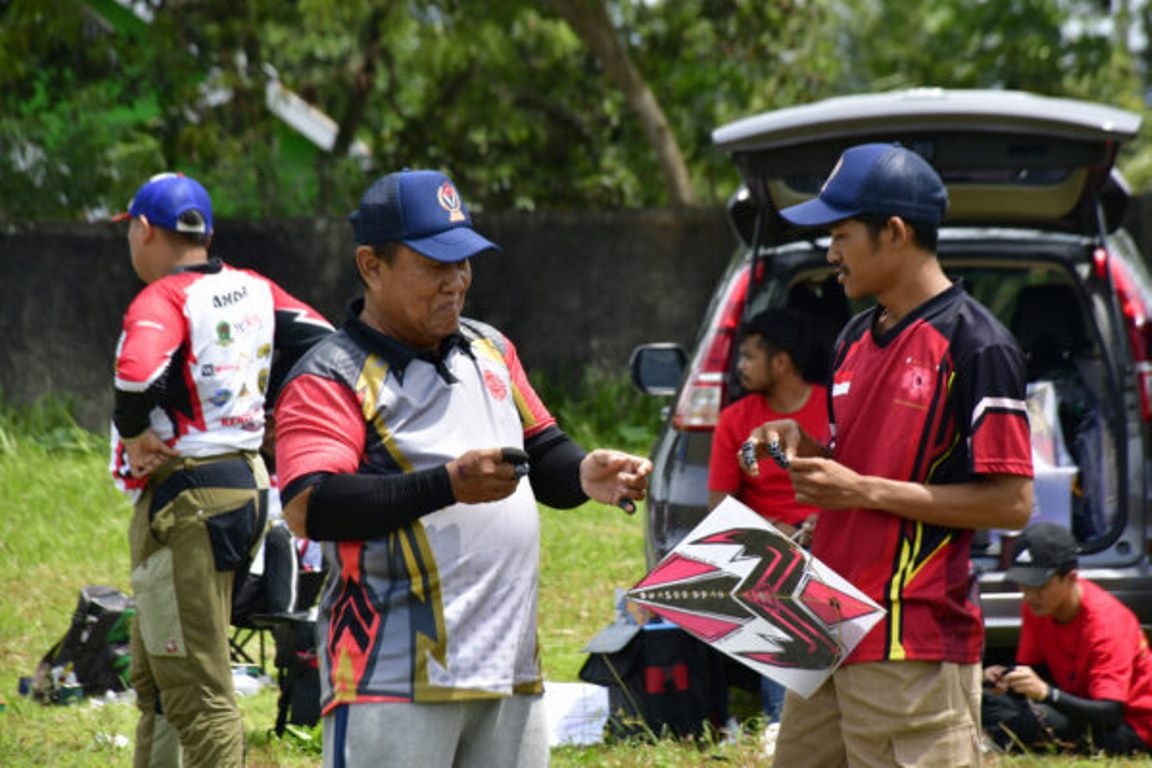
571,290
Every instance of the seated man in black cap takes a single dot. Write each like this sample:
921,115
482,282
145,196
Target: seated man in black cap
1083,674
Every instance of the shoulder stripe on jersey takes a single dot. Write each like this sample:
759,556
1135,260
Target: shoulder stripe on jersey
368,383
305,316
1002,404
484,346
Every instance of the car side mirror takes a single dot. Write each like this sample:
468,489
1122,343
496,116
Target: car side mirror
658,368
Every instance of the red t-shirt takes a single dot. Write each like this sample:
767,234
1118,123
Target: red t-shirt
770,494
1100,654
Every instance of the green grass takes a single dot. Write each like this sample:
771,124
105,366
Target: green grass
63,526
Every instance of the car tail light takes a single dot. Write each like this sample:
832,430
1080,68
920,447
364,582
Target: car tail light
703,394
1135,325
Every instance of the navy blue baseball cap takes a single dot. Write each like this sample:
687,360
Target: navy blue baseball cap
878,179
421,209
172,201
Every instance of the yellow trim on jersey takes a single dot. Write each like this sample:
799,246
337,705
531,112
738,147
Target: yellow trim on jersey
911,563
370,382
436,647
485,347
344,678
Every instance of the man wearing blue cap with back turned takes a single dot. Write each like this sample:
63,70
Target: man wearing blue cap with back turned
403,441
930,441
202,349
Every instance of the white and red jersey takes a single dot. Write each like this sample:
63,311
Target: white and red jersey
443,608
195,359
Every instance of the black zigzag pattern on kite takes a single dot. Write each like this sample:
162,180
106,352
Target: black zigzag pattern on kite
772,591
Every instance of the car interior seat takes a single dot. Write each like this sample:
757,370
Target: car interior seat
827,309
1049,326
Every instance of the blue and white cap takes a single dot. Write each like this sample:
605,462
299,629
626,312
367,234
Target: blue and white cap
421,209
172,201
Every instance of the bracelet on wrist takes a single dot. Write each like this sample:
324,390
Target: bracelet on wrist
1053,697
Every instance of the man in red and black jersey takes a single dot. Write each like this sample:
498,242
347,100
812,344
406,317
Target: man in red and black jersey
930,441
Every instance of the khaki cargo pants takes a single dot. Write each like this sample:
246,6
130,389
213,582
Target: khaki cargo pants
199,521
885,714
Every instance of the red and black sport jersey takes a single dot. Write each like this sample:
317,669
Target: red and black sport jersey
940,398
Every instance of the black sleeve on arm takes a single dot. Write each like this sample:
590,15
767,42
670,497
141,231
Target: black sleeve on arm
350,507
1104,713
131,413
555,469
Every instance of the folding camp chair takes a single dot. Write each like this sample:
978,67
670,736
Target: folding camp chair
279,594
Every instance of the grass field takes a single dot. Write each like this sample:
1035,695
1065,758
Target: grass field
63,526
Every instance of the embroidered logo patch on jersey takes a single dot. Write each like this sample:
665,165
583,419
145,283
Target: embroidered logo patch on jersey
449,200
916,383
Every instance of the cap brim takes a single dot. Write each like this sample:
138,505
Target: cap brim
121,217
817,213
1029,577
452,245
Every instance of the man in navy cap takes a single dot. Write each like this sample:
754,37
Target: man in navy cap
930,441
1083,673
202,348
412,444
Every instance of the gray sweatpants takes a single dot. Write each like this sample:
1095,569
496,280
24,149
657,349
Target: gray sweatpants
496,733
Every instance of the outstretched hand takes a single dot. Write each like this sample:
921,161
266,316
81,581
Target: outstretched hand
615,477
481,475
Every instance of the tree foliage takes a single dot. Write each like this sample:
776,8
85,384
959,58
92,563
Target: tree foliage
506,95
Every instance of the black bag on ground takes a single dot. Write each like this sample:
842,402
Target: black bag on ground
94,653
661,681
298,674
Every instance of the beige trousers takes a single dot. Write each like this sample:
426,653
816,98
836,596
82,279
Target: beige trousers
196,524
892,713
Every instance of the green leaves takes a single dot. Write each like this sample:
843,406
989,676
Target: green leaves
503,94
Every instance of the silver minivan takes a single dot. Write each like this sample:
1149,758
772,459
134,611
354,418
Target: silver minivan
1033,229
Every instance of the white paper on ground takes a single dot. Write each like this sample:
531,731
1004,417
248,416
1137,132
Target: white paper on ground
576,713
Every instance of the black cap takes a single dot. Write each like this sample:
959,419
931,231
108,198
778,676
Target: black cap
1042,551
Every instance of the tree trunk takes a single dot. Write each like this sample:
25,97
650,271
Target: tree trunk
589,19
362,82
360,91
